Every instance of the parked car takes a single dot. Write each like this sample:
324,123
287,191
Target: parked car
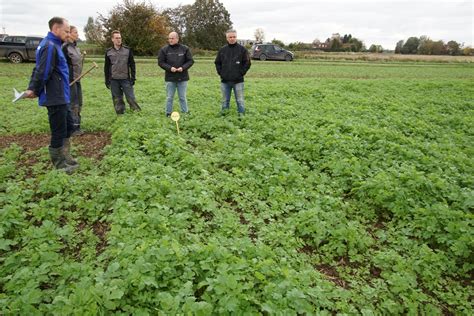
2,36
270,51
19,48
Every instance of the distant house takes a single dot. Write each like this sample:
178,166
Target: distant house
317,44
321,45
326,45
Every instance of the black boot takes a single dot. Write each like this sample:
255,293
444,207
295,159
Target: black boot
77,131
58,160
67,152
119,105
134,105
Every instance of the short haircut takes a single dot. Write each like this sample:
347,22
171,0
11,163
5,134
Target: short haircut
114,32
55,20
231,31
72,27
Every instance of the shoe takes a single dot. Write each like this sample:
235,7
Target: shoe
77,132
241,115
224,112
168,114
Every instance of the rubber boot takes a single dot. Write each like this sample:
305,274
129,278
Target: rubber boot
134,105
59,162
67,152
119,105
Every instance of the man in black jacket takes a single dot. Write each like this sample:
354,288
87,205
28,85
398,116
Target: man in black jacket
232,63
119,70
175,59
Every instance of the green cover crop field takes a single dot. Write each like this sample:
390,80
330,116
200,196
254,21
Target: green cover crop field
347,189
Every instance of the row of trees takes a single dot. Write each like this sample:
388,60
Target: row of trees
203,24
143,27
336,43
423,45
413,45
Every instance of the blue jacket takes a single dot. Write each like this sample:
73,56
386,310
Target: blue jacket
50,77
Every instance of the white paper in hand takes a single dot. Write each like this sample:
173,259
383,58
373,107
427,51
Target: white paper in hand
18,95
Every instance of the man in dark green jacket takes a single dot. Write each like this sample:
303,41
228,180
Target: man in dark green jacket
175,59
232,63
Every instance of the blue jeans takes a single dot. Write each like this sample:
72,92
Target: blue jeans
226,88
171,87
119,87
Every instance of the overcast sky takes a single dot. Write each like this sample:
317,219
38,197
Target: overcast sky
381,22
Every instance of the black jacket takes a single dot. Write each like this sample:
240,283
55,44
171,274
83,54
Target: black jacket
175,56
232,63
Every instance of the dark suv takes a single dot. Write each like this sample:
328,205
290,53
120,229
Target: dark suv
270,51
19,48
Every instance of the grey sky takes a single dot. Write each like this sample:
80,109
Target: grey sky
381,22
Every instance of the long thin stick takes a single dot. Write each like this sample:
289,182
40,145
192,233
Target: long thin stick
177,126
79,78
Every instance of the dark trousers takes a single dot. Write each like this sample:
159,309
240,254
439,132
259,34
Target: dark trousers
119,87
60,123
76,103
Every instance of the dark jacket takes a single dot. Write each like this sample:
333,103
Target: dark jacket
119,64
175,56
74,60
50,77
232,63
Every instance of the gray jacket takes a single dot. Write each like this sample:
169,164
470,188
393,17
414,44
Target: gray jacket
119,64
74,60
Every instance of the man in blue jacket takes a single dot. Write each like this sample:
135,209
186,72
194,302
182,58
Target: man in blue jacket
175,59
50,82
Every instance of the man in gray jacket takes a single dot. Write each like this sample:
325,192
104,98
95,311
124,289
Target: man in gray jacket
74,61
175,59
119,70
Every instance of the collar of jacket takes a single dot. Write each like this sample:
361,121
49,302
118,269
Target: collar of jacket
53,38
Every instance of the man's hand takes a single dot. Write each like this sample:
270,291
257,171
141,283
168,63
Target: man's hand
174,69
180,69
30,94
